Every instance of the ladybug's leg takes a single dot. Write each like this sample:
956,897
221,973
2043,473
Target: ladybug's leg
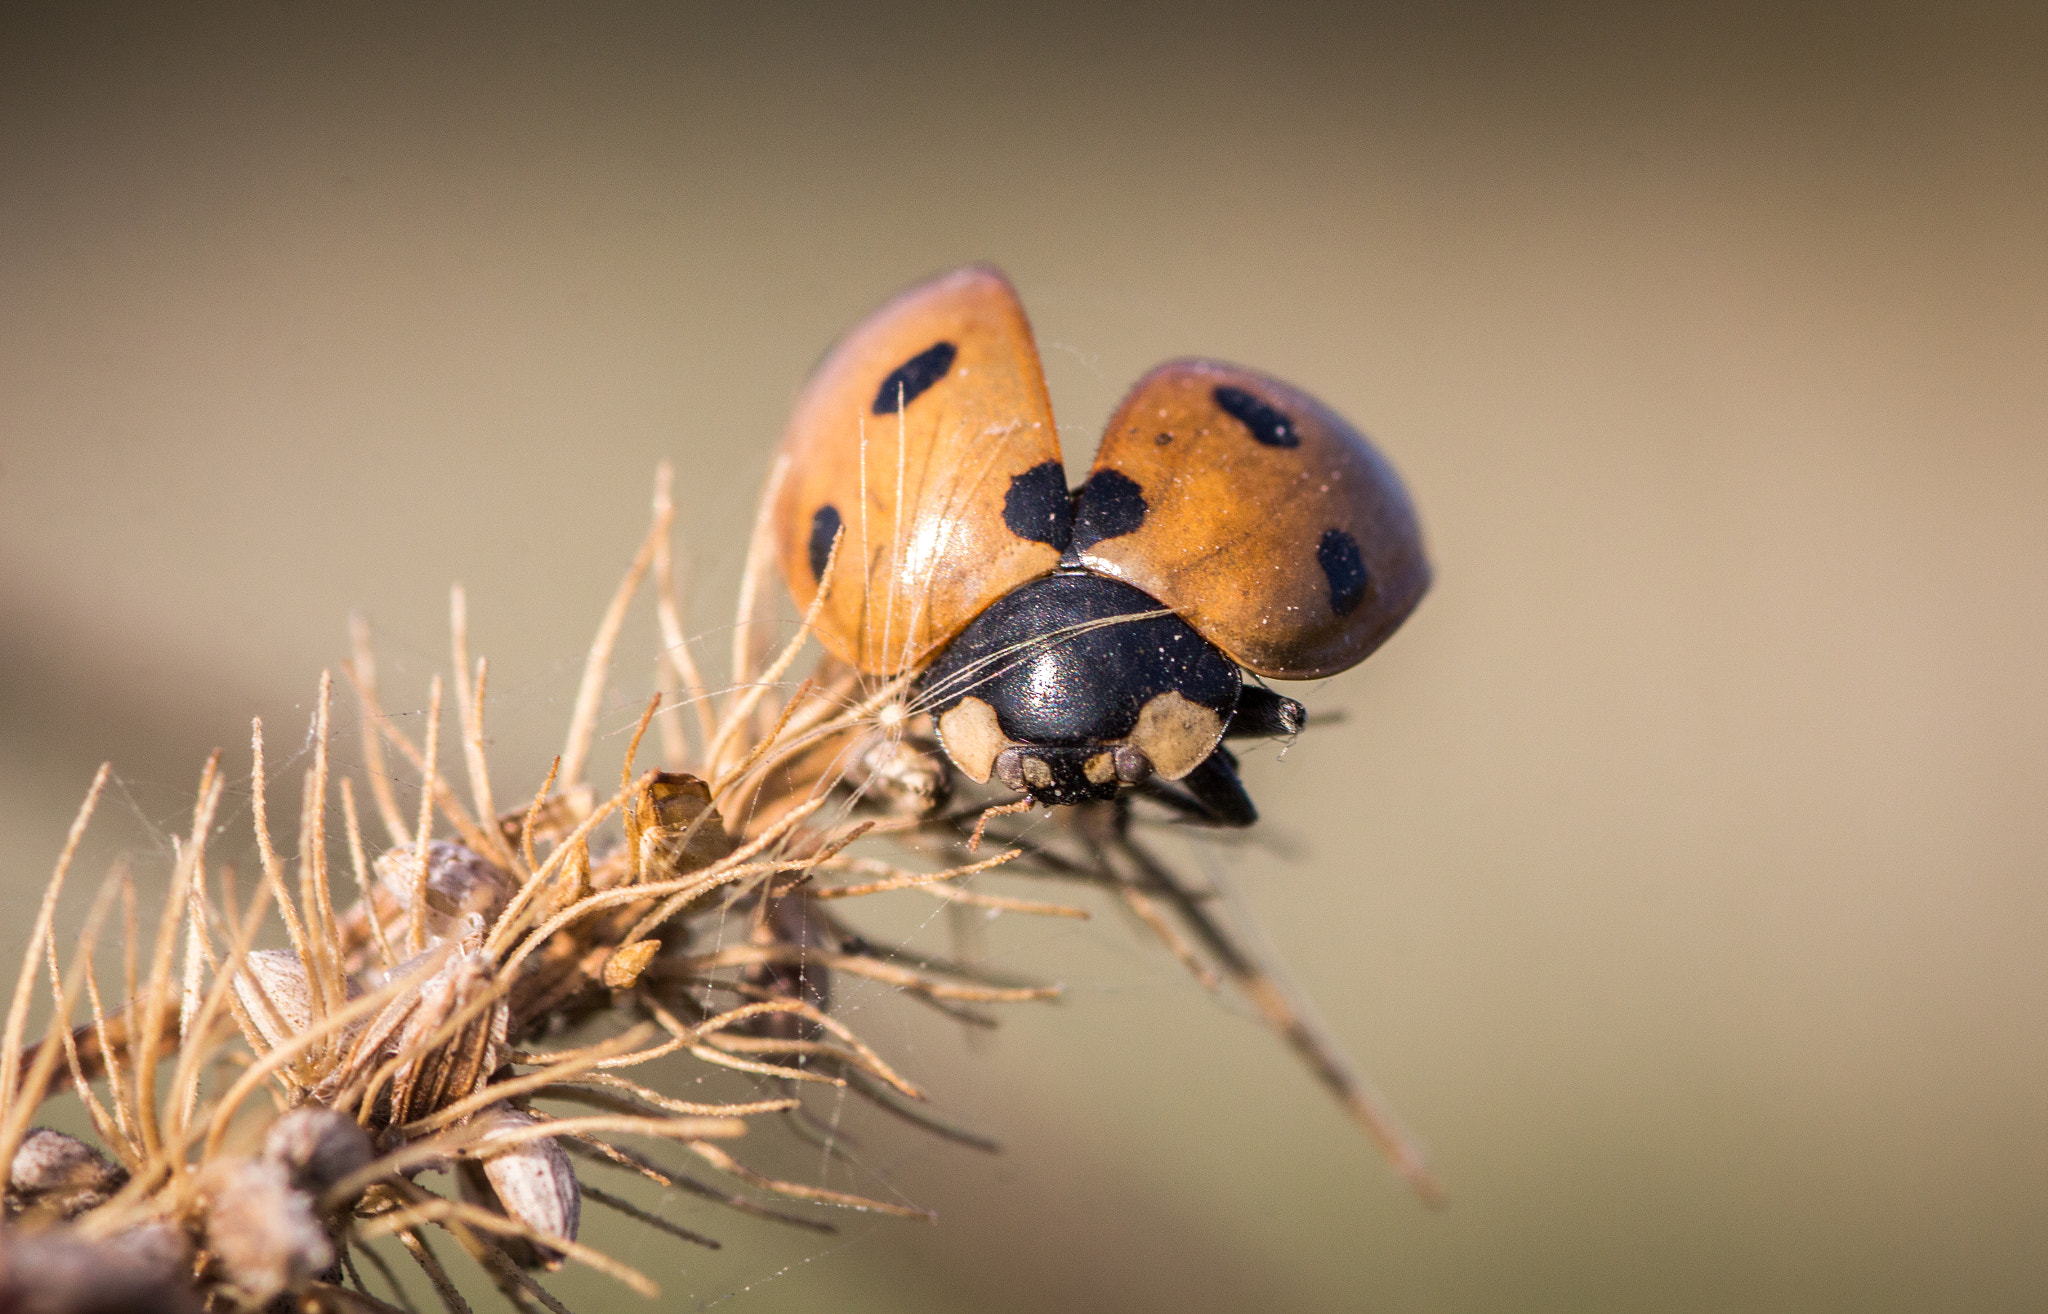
1261,712
1211,793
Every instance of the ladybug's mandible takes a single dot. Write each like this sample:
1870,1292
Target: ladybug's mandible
1076,644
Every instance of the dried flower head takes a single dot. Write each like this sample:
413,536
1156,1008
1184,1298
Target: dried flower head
429,1020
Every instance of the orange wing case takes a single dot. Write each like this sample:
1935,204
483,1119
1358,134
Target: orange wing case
925,441
1258,514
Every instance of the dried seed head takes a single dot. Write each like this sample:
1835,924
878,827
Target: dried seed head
460,882
272,989
533,1181
262,1231
676,834
59,1176
317,1147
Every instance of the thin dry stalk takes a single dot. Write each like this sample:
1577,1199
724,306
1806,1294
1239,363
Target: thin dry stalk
583,720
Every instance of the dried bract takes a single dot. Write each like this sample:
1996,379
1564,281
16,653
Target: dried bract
531,1180
460,884
273,992
680,831
317,1147
59,1273
58,1176
262,1232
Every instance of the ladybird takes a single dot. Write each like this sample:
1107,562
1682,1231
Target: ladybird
1076,645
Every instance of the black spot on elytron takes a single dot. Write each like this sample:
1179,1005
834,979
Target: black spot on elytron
824,528
1038,507
1268,424
1344,567
908,381
1109,505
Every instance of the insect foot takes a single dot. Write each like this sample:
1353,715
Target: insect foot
531,1180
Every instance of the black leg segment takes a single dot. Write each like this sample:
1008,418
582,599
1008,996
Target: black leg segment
1261,712
1216,787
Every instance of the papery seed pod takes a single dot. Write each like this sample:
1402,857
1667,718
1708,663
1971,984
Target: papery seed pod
904,774
59,1176
273,992
262,1232
317,1147
59,1272
460,882
532,1181
680,832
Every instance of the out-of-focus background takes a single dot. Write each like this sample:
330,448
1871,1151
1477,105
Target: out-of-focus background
1681,871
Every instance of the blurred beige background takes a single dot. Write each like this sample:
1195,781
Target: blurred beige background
1681,871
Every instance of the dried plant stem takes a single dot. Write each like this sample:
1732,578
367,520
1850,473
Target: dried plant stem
752,576
1324,1058
748,691
17,1011
102,1122
324,968
416,931
474,835
583,720
899,879
15,1122
589,1147
437,1209
675,646
423,1255
361,670
390,1278
362,874
725,1163
273,868
639,1215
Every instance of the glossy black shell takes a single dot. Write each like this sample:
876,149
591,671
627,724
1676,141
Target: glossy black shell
1062,666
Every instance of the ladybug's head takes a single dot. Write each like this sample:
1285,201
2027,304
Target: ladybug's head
1053,774
1075,686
